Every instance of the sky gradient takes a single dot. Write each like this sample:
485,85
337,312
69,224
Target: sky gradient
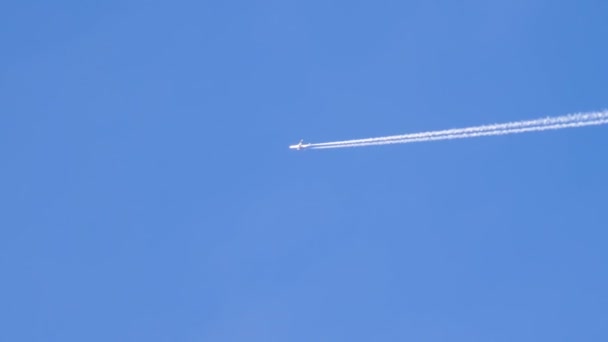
148,192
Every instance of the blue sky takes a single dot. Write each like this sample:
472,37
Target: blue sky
148,193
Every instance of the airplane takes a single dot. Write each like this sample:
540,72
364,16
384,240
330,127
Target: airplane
299,146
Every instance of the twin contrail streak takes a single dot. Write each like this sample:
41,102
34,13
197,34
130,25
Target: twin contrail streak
545,124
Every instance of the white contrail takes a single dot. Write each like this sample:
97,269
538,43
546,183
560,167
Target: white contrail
560,122
471,135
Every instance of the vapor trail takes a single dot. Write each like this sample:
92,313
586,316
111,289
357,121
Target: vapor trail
471,135
555,123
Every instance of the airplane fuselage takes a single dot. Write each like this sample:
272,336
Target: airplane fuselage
299,146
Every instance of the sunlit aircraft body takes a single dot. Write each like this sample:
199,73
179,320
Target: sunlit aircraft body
299,146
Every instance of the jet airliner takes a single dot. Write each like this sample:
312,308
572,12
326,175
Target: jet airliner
299,146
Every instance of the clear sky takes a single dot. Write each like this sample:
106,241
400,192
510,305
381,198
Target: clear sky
147,192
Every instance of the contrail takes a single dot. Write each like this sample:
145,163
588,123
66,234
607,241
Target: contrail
550,123
471,135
